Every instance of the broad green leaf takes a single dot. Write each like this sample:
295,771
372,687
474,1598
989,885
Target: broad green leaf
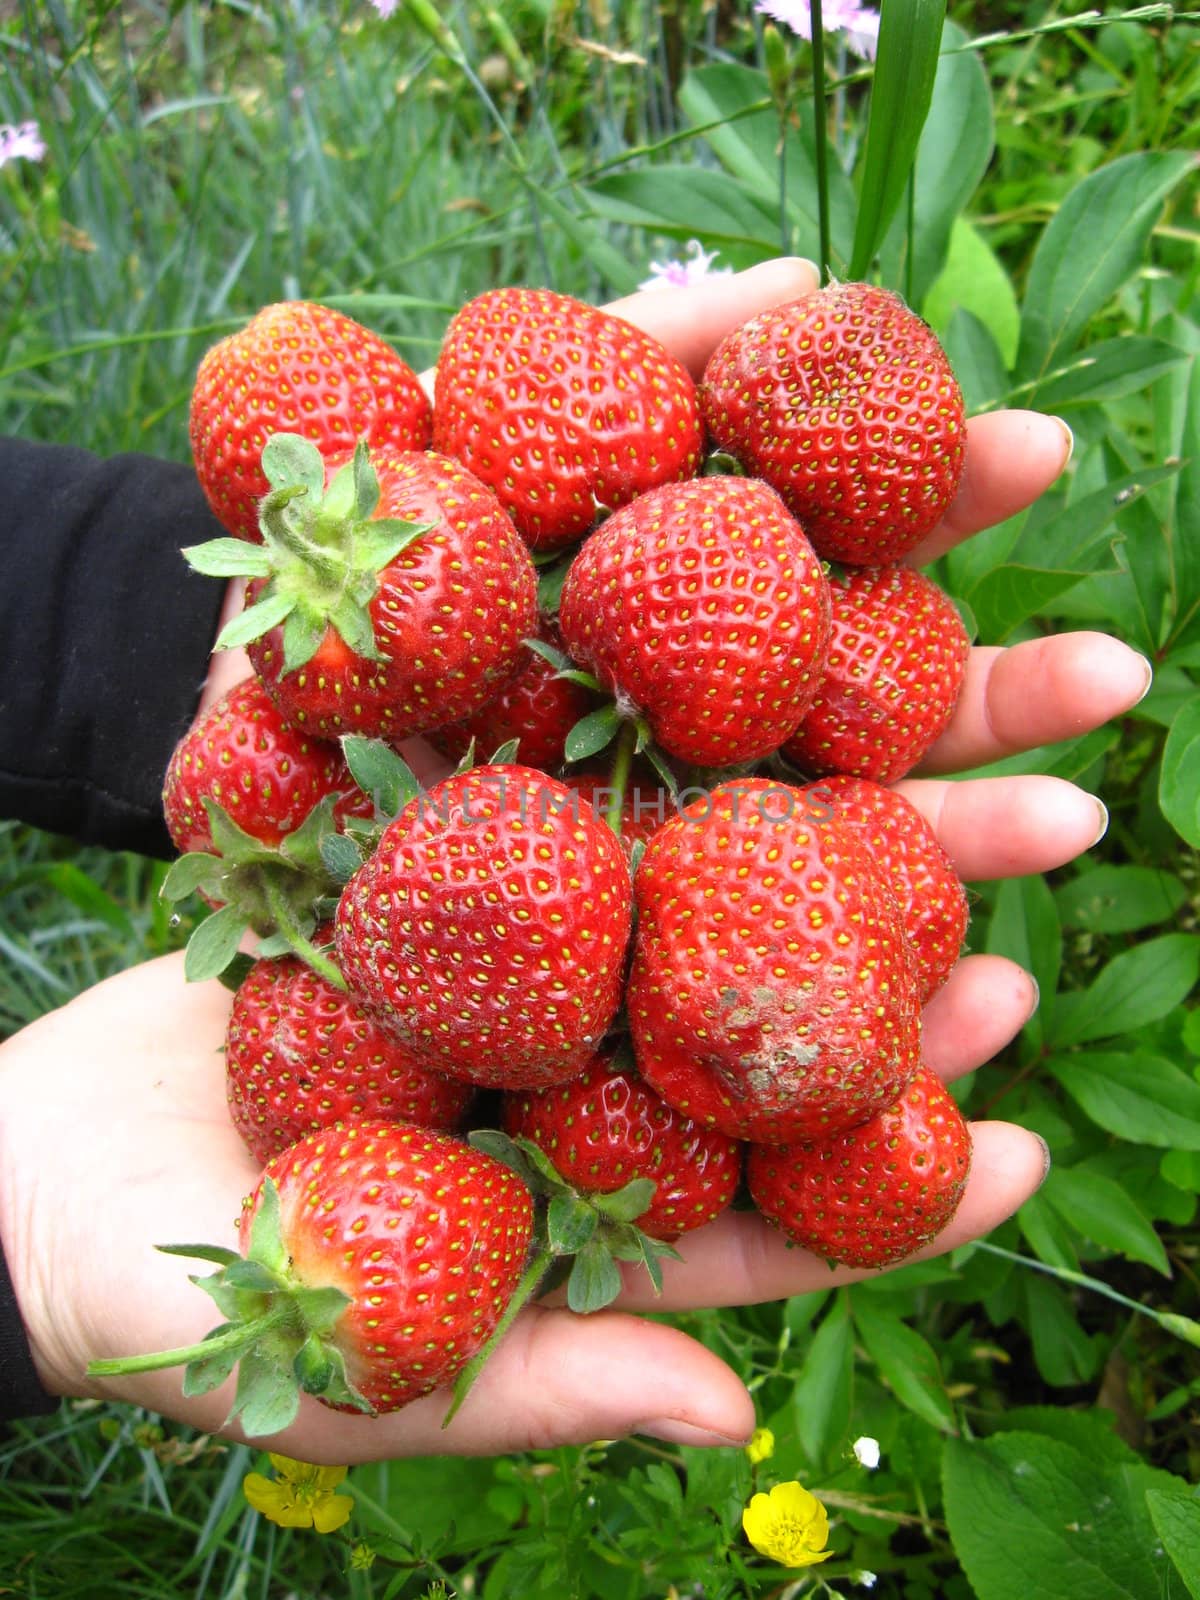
1062,1351
907,1363
1024,927
592,732
588,239
974,281
1119,899
1184,535
906,63
823,1391
214,944
289,459
1176,1518
1034,1518
1010,595
251,624
1140,1097
1102,1210
1090,248
1108,371
228,558
1136,988
380,772
1179,777
1049,1237
671,199
1090,1431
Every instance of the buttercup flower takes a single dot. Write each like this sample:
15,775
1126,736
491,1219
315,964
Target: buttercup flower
679,274
789,1526
859,23
761,1446
20,141
866,1452
301,1496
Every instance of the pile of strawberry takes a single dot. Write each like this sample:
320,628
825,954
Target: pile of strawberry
661,941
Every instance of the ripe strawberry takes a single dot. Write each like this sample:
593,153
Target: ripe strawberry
771,993
301,1055
537,708
877,1193
845,403
703,609
296,368
897,657
561,408
607,1127
383,1258
488,930
394,602
922,876
264,773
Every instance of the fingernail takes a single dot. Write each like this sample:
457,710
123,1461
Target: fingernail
672,1431
1037,996
1103,828
1149,683
1070,439
1046,1159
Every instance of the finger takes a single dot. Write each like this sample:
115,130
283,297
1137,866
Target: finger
741,1259
1012,458
1008,827
982,1006
1036,693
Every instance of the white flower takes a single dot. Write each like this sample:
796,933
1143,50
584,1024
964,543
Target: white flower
860,24
865,1579
20,141
385,8
866,1453
679,274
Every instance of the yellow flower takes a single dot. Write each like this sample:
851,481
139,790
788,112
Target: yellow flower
789,1526
301,1496
761,1446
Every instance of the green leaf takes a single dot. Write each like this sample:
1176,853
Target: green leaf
213,944
1179,777
1108,371
907,1363
977,364
558,659
973,280
289,460
379,542
1134,989
352,621
1035,1518
570,1224
266,1233
1062,1351
265,614
906,64
217,1254
592,732
1176,1519
267,1397
824,1386
1140,1097
207,1373
1101,1210
1024,927
228,558
595,1280
1119,899
366,483
669,199
193,871
340,856
627,1203
381,773
303,631
1009,595
588,239
1092,245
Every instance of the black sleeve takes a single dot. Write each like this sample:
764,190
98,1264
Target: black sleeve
21,1392
106,634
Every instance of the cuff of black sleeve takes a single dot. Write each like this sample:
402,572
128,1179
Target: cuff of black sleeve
21,1393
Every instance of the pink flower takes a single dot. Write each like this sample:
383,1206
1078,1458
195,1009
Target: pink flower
679,274
20,142
859,23
385,8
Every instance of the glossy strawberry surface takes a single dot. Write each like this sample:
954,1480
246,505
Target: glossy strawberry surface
265,773
299,368
874,1194
844,402
449,617
488,930
607,1127
898,653
426,1236
903,845
771,993
562,408
702,608
301,1055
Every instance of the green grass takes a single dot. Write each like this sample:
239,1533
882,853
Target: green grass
206,159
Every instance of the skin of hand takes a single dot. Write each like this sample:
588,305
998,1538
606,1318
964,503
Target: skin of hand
115,1137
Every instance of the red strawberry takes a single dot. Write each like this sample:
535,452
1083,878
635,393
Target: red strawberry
897,658
264,773
402,613
607,1127
383,1258
703,609
488,930
771,993
561,408
537,708
922,876
300,1055
296,368
845,403
877,1193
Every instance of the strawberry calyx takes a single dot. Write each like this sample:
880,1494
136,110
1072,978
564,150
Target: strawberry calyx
322,551
277,891
279,1332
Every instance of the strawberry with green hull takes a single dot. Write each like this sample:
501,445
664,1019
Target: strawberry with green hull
897,659
563,409
846,404
377,1261
296,368
606,1128
771,993
488,929
878,1192
301,1055
928,891
702,609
